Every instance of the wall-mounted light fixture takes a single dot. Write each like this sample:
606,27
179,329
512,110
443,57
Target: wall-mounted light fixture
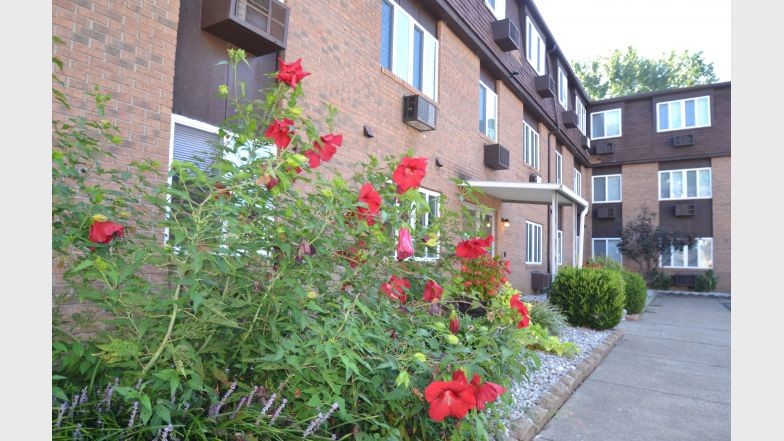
505,220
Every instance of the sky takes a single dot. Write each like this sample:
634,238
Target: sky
586,29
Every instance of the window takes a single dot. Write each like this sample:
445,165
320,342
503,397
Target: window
531,146
480,225
578,182
563,88
408,50
692,183
579,107
498,7
699,255
488,109
606,124
558,168
607,247
533,243
683,114
607,188
559,248
423,222
535,51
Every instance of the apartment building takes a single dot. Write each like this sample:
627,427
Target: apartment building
479,87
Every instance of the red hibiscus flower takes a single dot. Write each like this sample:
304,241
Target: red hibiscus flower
450,398
405,246
454,323
394,288
278,131
323,150
369,196
486,392
291,73
409,173
104,232
433,291
473,248
515,303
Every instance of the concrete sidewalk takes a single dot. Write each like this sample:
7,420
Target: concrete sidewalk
667,380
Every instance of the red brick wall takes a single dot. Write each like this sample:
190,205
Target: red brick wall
722,246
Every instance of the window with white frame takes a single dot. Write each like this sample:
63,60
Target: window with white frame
558,168
535,51
480,224
607,188
559,248
488,111
579,108
533,243
698,255
606,124
607,247
683,114
563,88
423,221
498,8
408,50
530,146
578,182
694,183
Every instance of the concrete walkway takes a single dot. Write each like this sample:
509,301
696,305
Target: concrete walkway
667,380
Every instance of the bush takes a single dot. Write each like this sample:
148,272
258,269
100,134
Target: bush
636,292
706,282
594,298
548,316
660,280
605,262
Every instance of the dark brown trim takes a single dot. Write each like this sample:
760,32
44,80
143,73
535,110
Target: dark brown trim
647,95
656,159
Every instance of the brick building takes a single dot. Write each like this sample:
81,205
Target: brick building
497,104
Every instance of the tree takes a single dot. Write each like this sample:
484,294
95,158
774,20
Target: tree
645,243
628,73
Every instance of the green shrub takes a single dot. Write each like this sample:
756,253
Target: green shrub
636,292
706,282
605,262
548,316
660,280
589,297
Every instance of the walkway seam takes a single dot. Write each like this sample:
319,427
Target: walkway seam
660,392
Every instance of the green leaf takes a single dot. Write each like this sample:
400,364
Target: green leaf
85,264
163,412
146,411
196,298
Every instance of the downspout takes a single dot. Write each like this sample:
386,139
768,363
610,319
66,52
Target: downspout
582,236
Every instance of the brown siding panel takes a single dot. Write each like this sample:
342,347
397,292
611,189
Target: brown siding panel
699,225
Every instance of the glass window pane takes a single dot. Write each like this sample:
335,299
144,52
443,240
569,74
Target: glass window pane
677,184
677,257
417,60
690,117
538,244
693,256
613,123
386,35
706,253
401,45
614,188
599,190
703,112
491,116
691,183
599,248
675,115
597,125
664,118
705,183
664,183
482,109
612,250
429,66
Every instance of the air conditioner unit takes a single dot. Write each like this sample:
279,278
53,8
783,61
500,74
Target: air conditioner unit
258,26
604,148
506,34
585,142
682,140
684,210
605,213
545,86
496,157
419,113
533,177
570,119
540,282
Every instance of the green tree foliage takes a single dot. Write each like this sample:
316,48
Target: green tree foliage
628,73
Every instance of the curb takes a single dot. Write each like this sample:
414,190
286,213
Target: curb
528,426
712,294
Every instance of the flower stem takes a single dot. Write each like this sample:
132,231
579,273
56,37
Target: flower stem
166,337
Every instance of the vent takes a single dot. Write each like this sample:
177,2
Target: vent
605,213
604,148
545,86
682,140
419,113
684,279
533,177
570,119
540,282
258,26
496,157
685,210
506,34
585,142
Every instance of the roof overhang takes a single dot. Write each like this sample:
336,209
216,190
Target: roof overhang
529,192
